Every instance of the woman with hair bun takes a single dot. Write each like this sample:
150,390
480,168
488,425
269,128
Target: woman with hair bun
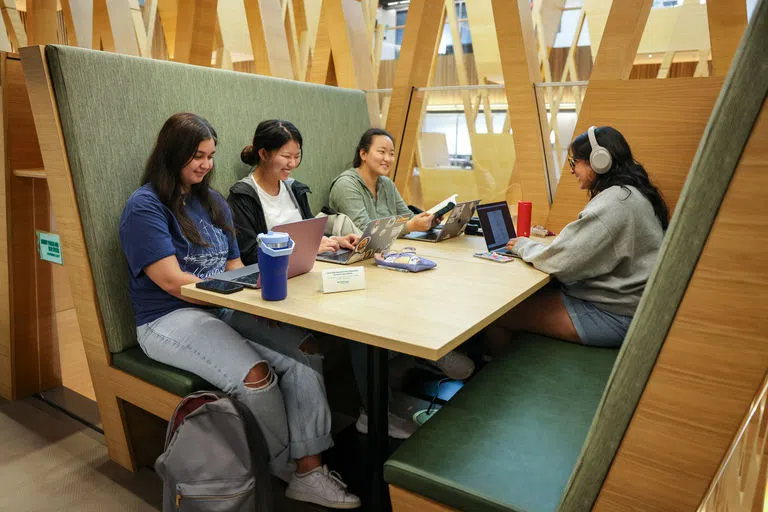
268,196
603,259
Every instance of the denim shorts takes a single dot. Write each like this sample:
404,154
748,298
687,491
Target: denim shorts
596,327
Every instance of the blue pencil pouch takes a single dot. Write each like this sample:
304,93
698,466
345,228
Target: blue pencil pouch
405,260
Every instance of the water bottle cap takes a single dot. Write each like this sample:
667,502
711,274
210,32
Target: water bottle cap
274,239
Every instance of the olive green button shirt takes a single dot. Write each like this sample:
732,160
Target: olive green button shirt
350,196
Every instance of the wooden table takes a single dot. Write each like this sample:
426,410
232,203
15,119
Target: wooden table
426,314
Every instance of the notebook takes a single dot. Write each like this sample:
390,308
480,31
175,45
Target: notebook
377,237
453,226
496,222
306,235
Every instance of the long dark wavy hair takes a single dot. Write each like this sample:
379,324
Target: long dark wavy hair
270,135
365,143
625,170
176,144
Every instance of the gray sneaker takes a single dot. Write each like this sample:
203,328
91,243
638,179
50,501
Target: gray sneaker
397,427
322,487
453,365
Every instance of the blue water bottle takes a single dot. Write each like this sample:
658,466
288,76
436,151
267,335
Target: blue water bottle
274,251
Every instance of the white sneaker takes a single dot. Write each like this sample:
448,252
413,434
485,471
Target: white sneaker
453,365
397,428
322,487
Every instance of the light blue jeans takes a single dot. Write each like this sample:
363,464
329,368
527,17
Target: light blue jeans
222,346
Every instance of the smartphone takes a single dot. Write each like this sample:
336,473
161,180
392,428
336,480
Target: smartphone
214,285
493,256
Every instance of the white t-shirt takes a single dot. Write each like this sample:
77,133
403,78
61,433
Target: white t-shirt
279,209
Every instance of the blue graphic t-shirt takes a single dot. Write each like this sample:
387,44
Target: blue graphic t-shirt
149,232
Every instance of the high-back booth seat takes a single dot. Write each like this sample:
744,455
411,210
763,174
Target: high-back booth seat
112,108
97,115
538,429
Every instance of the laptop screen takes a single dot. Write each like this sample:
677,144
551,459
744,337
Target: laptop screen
496,222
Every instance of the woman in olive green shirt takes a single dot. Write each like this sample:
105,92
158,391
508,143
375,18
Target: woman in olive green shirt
365,193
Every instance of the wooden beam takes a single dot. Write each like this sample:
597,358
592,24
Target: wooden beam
268,39
195,31
520,69
6,299
168,11
727,20
121,25
139,30
78,19
415,66
102,28
42,22
13,25
621,38
319,69
5,41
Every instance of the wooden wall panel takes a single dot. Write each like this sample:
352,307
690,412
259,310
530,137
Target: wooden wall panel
663,130
712,362
520,67
415,66
727,20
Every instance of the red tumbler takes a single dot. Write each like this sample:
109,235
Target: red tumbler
524,218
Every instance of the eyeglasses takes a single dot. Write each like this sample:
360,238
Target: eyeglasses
572,162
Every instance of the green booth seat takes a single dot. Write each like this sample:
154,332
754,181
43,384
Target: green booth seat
180,382
510,438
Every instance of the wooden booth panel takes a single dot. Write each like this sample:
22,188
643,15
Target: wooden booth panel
30,347
713,360
663,121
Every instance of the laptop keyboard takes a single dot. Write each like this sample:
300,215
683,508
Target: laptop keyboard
340,255
248,279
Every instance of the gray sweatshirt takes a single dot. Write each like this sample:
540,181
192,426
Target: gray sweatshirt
606,255
350,196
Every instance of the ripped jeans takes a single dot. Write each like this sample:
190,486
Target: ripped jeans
222,346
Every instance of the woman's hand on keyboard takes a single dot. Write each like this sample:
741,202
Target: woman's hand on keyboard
328,245
347,242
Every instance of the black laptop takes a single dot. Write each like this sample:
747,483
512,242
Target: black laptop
496,222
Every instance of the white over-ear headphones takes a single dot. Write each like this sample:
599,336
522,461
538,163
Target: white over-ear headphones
600,158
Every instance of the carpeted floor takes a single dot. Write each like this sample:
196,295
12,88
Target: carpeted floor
50,462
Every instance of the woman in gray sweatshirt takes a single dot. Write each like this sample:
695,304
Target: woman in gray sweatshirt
601,260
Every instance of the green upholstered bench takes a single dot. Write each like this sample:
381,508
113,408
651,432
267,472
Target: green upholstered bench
109,109
510,438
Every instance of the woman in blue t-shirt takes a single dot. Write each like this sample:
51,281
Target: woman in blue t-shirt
176,230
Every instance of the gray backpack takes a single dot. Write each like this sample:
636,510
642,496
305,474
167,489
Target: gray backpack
215,458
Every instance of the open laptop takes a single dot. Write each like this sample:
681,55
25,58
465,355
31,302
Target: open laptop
306,236
453,226
496,222
377,237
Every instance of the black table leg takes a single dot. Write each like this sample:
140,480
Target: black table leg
378,407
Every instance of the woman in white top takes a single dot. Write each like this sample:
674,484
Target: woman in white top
268,196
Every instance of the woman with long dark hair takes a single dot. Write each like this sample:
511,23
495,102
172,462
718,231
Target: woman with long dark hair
602,260
176,230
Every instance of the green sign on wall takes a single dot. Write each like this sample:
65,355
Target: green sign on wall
49,247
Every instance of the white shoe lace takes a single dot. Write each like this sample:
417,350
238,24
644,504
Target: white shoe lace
335,477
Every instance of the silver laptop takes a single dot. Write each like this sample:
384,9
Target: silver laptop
306,235
453,226
496,222
377,237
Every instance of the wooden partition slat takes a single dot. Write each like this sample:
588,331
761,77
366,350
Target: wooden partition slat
621,38
195,31
519,64
42,21
13,24
415,66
